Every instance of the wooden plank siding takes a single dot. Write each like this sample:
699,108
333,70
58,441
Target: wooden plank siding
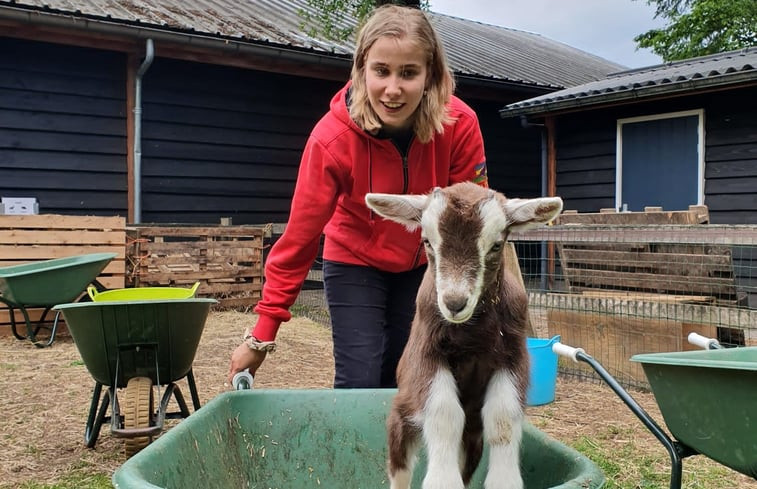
512,153
62,131
217,141
220,141
731,157
586,153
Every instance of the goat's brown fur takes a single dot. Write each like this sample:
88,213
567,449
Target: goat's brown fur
492,340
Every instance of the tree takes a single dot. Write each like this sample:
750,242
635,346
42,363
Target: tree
329,22
701,27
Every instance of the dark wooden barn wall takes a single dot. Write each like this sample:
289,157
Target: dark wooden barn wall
216,141
226,142
219,141
513,153
731,157
586,148
62,127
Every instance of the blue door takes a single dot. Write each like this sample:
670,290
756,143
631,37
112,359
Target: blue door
660,163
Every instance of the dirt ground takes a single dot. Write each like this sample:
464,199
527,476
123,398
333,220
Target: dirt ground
45,395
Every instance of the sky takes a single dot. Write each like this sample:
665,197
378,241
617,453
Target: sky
605,28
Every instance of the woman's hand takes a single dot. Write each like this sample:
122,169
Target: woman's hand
244,357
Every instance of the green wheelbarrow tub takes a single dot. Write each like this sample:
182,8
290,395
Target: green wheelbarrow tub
51,282
156,339
294,439
708,399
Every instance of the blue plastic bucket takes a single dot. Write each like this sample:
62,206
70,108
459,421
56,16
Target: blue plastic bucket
543,371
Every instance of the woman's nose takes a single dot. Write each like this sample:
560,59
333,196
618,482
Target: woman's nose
393,86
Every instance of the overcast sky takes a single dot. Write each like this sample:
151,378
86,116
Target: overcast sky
605,28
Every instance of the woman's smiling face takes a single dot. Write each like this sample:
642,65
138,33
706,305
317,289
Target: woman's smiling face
395,76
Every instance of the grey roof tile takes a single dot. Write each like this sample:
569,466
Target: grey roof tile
686,75
474,49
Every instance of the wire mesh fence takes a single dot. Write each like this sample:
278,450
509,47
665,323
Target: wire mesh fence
618,290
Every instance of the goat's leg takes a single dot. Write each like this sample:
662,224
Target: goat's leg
503,428
403,447
443,422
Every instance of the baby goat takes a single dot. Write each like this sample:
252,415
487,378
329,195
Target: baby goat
463,376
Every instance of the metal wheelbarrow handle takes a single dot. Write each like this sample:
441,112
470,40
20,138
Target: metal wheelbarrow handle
242,380
677,451
703,342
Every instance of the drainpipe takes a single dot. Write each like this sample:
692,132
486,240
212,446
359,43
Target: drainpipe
149,55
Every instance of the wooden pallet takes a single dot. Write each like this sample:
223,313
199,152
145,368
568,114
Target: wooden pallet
226,260
642,267
30,238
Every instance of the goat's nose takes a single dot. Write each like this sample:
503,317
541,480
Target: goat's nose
455,302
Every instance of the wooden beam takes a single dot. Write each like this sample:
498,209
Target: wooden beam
550,125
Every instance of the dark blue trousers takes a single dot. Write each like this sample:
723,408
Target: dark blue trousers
371,312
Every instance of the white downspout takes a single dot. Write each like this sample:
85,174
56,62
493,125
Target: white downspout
149,55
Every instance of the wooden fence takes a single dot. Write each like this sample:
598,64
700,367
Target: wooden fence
32,238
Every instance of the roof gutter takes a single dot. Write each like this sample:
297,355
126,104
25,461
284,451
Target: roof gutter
199,41
622,96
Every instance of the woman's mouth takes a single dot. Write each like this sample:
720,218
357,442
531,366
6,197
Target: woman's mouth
392,105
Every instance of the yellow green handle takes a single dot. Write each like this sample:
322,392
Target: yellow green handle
92,291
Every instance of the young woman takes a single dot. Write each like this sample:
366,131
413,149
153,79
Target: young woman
396,127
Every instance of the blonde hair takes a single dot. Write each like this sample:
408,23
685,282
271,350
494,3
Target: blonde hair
411,23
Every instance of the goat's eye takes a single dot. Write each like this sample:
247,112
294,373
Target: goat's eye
426,242
497,247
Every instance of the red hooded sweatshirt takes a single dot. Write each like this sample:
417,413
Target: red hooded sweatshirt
340,164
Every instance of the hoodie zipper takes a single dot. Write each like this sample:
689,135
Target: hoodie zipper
405,186
404,174
405,170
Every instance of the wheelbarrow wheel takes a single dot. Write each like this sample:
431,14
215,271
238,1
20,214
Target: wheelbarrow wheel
137,411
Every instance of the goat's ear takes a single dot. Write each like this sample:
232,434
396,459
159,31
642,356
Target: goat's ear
529,213
404,209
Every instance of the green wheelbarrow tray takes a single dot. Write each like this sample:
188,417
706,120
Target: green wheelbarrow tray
154,341
294,439
47,283
708,399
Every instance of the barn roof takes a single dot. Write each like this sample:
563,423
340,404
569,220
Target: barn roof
474,49
733,68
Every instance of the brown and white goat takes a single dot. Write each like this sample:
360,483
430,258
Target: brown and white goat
463,376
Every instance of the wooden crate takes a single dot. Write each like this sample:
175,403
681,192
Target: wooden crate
226,260
30,238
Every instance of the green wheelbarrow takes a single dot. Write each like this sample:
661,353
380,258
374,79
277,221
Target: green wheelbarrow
708,400
45,284
296,439
137,348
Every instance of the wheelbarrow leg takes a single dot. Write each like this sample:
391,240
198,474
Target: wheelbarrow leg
193,390
41,344
95,421
183,409
13,322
